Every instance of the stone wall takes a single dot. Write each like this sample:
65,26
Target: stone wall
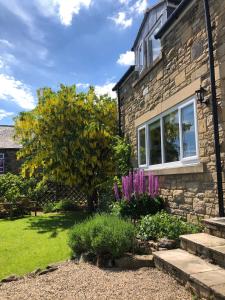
12,165
184,60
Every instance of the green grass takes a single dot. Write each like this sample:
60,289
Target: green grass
34,242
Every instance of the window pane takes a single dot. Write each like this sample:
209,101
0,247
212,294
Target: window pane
142,147
156,48
171,137
155,143
188,131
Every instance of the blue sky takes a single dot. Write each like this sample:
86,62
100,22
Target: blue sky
48,42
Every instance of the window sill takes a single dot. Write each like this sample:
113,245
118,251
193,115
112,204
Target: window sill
147,70
188,169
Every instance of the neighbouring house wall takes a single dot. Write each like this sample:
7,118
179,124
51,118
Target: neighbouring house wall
11,164
189,191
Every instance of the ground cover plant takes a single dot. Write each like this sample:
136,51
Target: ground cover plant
102,235
164,225
34,242
138,197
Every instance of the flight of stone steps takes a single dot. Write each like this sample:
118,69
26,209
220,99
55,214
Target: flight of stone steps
200,262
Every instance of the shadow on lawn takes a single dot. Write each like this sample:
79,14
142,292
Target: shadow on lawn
55,223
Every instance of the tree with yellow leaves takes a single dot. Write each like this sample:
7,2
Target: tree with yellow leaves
68,138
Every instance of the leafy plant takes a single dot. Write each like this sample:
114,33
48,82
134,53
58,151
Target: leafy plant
102,235
164,225
48,207
139,195
122,156
65,205
138,206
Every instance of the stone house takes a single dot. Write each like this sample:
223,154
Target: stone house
8,149
171,132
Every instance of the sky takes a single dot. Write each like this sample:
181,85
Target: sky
44,43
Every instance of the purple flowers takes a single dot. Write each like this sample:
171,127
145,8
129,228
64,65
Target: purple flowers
137,183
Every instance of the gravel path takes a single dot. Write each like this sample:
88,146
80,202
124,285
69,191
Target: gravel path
79,282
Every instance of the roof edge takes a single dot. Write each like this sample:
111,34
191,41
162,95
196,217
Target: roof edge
123,78
174,16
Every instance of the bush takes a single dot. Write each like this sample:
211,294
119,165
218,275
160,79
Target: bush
138,206
48,207
102,235
65,205
164,225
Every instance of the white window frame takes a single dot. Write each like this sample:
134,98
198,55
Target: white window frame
184,161
146,147
150,60
2,157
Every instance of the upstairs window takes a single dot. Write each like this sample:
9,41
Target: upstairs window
2,163
169,139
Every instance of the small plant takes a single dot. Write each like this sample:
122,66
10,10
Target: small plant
164,225
65,205
139,195
48,207
102,235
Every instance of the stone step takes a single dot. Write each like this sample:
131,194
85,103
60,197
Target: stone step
204,279
207,246
215,226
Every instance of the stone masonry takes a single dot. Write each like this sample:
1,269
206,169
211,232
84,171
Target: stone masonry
184,60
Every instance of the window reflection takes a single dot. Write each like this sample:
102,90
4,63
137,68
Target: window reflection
155,143
188,131
142,145
171,137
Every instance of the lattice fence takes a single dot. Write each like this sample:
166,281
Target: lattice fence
55,192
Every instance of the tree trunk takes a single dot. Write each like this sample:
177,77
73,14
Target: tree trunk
92,201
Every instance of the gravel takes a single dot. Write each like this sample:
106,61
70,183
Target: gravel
84,281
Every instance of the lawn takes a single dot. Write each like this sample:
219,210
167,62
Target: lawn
34,242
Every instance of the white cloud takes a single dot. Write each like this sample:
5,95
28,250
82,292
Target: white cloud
122,20
64,9
106,89
6,43
82,85
126,59
4,114
16,91
140,6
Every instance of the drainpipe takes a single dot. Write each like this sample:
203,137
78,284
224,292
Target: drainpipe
119,112
214,109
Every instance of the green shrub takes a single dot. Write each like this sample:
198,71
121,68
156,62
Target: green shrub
65,205
48,207
164,225
122,156
102,235
138,206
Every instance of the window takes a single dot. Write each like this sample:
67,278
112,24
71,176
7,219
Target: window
169,139
2,162
142,146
